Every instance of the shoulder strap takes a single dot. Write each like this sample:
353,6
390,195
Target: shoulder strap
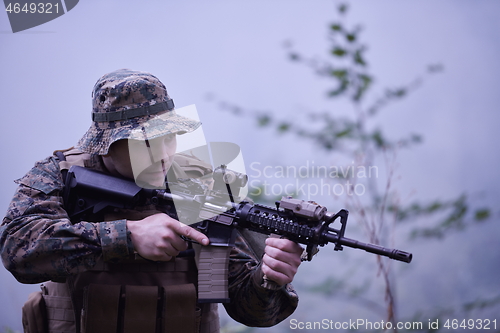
60,155
69,157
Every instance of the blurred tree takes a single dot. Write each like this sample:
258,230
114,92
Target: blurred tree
358,139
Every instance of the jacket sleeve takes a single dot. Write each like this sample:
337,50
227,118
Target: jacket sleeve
39,243
251,304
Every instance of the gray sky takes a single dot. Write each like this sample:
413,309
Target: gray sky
233,50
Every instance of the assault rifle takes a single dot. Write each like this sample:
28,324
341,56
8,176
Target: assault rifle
217,212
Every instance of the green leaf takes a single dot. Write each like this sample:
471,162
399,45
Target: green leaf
283,127
358,58
378,139
339,73
294,56
341,89
343,133
365,82
336,27
416,138
366,79
263,120
395,93
351,37
342,8
427,233
482,214
434,207
339,52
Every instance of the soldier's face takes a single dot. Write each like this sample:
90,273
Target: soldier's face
146,161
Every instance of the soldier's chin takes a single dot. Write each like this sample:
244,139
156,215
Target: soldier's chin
151,180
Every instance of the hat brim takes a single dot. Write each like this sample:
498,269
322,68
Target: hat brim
97,140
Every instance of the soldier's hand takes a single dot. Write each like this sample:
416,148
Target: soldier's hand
158,237
281,260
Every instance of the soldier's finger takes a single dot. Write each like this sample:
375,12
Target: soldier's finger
278,277
191,233
280,255
284,245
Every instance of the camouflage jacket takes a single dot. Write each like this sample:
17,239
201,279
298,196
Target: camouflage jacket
39,243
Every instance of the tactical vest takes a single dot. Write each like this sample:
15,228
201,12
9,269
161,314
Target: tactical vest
137,296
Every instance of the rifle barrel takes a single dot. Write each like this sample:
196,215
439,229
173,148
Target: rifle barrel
372,248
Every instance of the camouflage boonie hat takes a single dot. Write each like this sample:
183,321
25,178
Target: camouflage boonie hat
125,102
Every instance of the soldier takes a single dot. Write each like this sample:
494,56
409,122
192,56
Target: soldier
124,271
